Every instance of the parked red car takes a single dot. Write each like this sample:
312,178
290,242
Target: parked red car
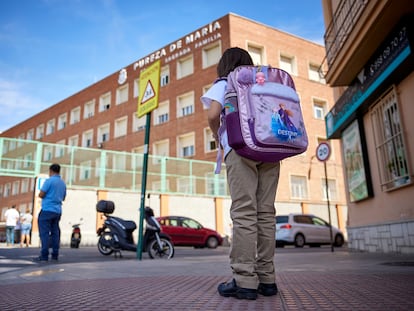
185,231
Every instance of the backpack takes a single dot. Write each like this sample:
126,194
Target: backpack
262,115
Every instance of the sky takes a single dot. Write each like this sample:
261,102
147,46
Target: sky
52,49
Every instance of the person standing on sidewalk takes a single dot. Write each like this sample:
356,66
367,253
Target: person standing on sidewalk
52,193
26,226
252,186
12,216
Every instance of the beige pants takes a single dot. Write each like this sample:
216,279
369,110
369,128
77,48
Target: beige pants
252,187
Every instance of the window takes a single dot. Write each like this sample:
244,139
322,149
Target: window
30,134
215,184
136,88
47,153
161,114
105,102
122,94
185,104
50,127
28,160
85,170
298,187
185,67
121,127
161,148
319,109
87,138
89,110
119,162
186,145
40,131
389,142
75,115
165,76
333,194
25,185
16,186
62,121
210,142
314,74
73,141
138,124
288,63
256,54
211,55
185,185
60,149
103,133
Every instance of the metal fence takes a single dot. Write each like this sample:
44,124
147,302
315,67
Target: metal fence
105,169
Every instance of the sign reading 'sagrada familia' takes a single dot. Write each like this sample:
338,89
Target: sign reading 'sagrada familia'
182,47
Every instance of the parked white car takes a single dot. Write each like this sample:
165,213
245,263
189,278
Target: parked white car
301,229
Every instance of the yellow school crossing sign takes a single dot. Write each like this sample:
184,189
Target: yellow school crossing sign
149,85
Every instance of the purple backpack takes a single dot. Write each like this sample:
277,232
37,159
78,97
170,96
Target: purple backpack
262,114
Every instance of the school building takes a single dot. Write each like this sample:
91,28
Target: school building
102,118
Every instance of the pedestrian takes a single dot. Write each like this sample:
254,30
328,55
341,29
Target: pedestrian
26,225
12,217
252,186
52,193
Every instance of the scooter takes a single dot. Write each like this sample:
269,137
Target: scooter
76,236
116,234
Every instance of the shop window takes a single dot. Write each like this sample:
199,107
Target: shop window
389,142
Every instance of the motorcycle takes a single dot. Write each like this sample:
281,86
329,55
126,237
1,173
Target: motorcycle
76,236
115,235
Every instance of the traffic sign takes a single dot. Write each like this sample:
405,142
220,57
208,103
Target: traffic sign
323,151
149,84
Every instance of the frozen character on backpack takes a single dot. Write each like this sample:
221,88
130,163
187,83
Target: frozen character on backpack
282,125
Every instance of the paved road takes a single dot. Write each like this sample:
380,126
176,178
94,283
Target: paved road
308,279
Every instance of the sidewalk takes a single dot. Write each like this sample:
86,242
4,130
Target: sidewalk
308,279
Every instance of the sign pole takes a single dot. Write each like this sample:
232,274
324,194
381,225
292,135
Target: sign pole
323,151
149,84
329,207
143,187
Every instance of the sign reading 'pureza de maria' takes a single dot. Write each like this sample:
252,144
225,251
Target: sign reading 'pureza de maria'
385,60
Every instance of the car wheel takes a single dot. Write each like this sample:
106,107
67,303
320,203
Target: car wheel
339,240
212,242
299,240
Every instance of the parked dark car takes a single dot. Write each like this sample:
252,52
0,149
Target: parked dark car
185,231
302,229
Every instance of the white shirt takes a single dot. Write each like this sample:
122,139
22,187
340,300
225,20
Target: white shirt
12,216
216,92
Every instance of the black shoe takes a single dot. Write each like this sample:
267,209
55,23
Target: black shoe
230,289
55,259
267,289
40,259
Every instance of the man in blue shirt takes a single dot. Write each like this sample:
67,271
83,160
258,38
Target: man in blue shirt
53,193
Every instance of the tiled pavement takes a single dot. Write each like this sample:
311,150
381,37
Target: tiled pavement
307,280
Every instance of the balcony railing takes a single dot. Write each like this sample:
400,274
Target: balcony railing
343,22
